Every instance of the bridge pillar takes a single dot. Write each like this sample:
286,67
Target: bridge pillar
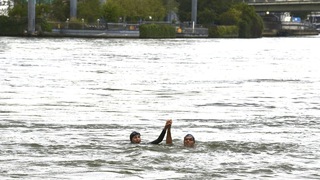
194,11
73,9
31,16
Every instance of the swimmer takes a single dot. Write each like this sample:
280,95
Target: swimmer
189,141
135,136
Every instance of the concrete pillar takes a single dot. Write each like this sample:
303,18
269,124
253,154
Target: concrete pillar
73,9
194,11
31,16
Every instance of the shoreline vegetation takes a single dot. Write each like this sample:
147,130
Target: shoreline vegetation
17,27
230,19
150,31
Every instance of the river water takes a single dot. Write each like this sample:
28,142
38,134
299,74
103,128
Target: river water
67,107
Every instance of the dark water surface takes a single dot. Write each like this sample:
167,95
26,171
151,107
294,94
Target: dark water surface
67,107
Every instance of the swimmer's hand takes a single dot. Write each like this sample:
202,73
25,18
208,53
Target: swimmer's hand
168,124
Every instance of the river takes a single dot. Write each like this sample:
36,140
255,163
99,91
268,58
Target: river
68,105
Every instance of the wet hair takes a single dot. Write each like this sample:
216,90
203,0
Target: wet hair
134,133
190,135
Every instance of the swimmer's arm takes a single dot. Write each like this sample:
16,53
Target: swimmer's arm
160,138
163,133
169,138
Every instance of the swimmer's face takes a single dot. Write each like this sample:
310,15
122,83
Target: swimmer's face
136,139
188,141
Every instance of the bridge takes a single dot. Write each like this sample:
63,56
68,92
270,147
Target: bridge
285,5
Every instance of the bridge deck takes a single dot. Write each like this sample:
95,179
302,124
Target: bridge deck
283,6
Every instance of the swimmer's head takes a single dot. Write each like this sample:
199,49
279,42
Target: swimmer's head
135,137
189,140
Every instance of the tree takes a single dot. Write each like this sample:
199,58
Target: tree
250,24
20,10
134,10
111,11
89,10
60,10
208,10
154,9
171,6
230,17
207,16
42,10
184,12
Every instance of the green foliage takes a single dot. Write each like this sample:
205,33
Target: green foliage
230,17
60,10
89,10
19,10
12,26
250,24
155,9
223,32
111,11
244,29
208,10
171,6
207,16
134,10
157,31
45,26
184,11
42,10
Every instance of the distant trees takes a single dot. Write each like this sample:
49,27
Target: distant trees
111,11
210,12
19,10
89,10
226,12
60,10
12,26
135,10
126,10
250,24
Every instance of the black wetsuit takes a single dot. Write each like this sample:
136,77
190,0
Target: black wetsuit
160,138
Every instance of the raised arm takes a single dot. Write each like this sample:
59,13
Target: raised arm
169,138
163,133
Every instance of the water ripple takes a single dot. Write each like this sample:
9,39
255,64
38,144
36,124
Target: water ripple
67,107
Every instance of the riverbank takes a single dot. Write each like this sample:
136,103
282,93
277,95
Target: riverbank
136,34
92,33
203,33
188,33
288,32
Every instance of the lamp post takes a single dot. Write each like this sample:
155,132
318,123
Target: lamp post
67,21
98,21
82,23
